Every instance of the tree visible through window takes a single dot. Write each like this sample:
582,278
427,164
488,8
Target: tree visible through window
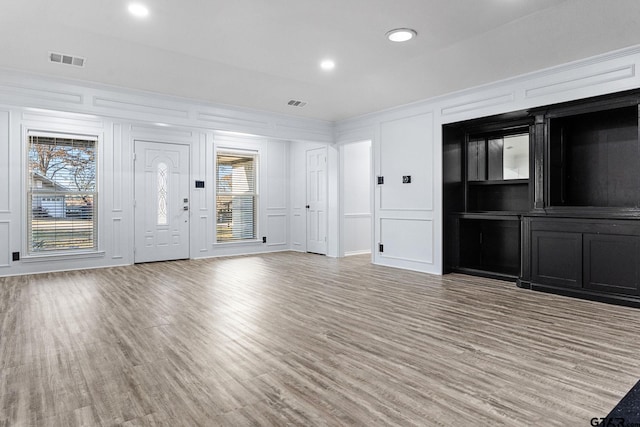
62,194
236,196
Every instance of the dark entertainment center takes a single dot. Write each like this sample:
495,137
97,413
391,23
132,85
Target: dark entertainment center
548,197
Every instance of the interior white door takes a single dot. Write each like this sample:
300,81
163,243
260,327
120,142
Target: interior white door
161,201
317,201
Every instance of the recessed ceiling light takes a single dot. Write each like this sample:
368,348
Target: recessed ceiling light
401,34
327,65
138,9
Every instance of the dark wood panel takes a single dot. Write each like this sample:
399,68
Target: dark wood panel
612,263
510,197
453,194
476,160
470,243
489,248
556,258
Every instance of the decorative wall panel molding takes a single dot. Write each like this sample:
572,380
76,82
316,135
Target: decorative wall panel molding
407,239
34,93
162,131
277,160
116,233
222,121
357,215
203,234
583,81
406,148
5,162
298,221
478,104
317,128
139,107
117,166
200,174
276,229
62,119
5,242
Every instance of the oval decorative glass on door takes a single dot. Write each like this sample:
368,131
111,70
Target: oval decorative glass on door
162,194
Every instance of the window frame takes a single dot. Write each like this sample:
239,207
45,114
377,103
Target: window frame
72,253
248,152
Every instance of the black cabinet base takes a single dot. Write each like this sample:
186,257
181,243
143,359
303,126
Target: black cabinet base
484,273
618,299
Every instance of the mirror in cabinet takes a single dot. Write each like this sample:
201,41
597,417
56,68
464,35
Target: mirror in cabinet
498,157
498,171
516,157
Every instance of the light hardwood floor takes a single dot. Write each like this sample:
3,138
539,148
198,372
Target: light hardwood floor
299,339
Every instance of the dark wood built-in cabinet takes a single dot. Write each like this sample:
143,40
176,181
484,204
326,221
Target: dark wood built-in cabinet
567,218
486,191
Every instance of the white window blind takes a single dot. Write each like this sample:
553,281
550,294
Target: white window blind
236,196
61,194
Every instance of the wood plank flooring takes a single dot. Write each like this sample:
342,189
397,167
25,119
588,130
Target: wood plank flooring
300,339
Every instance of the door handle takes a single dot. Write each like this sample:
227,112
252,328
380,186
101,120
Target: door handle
307,206
185,208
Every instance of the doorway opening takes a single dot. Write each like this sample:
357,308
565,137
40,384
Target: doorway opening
356,198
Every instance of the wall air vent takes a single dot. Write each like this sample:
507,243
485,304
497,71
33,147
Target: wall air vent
61,58
296,103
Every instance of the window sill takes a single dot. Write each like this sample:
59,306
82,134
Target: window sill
63,256
238,243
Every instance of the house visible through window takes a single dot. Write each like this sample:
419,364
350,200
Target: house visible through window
236,196
61,194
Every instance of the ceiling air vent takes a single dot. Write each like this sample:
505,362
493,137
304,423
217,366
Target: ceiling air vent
61,58
295,103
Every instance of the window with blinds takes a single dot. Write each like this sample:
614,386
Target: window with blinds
61,194
236,196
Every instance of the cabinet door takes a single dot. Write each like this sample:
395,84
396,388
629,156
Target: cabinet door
556,258
611,263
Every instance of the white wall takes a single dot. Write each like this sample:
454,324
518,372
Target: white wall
405,219
118,118
357,182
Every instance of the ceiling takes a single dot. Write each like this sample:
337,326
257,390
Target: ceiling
262,53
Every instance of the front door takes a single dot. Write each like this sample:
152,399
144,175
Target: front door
161,201
317,201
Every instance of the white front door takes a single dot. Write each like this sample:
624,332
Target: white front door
317,201
161,201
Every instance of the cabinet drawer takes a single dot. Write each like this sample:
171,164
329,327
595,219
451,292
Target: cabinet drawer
556,258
